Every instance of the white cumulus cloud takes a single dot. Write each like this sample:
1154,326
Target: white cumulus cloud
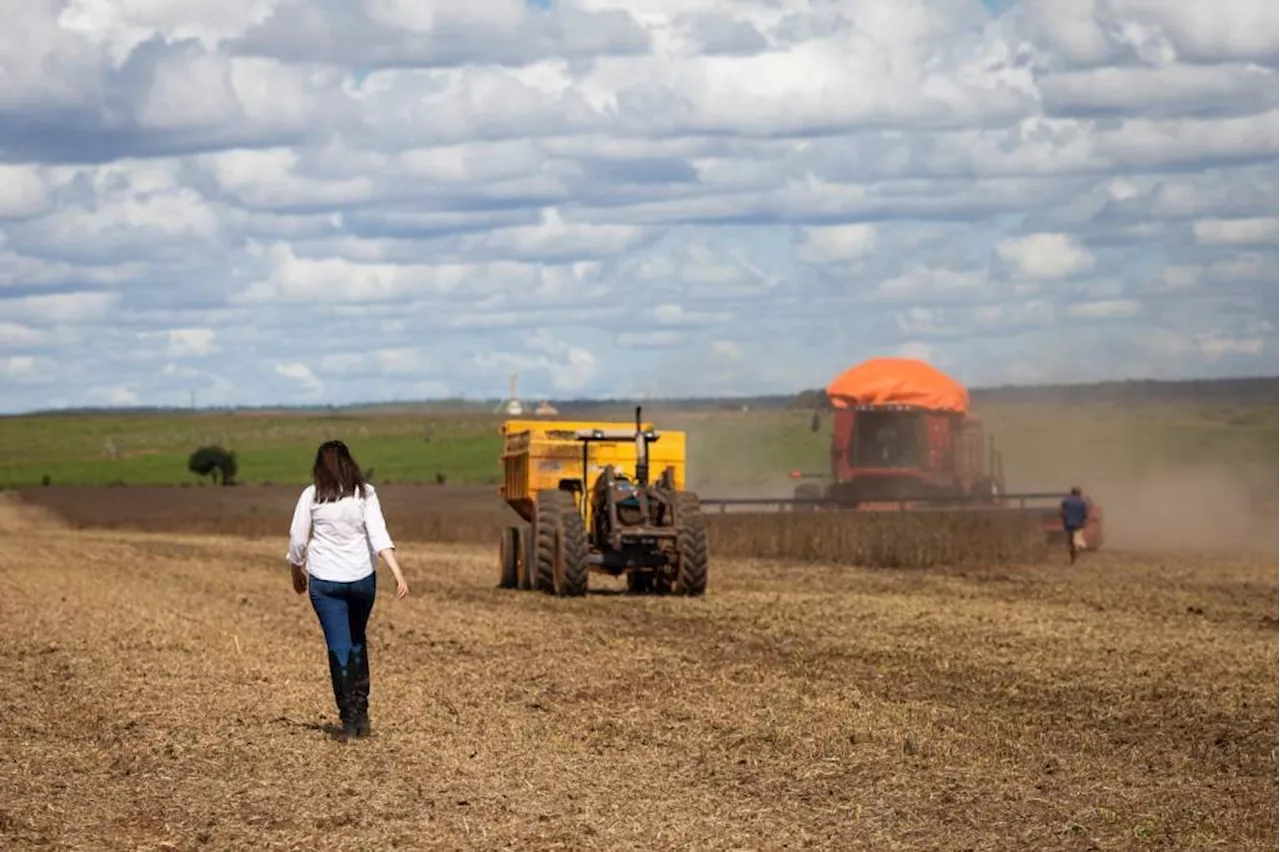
301,374
1251,231
836,243
281,201
1045,255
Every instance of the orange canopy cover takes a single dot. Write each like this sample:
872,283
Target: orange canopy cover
897,381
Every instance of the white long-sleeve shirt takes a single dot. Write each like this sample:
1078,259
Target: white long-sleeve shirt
338,541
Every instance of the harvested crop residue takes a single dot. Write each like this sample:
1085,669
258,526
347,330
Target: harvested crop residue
171,692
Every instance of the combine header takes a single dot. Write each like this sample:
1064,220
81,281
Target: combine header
584,490
903,439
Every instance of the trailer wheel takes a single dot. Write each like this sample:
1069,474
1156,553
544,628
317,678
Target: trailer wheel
527,565
546,530
691,576
570,574
509,557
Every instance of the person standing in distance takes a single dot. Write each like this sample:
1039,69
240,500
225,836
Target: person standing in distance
335,540
1075,514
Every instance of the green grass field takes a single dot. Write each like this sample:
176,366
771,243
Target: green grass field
1042,447
404,448
151,449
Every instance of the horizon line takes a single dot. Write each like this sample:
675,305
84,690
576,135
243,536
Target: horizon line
639,398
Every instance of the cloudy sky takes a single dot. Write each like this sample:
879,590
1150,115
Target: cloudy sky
328,201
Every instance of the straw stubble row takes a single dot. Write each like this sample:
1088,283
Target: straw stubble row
880,539
875,539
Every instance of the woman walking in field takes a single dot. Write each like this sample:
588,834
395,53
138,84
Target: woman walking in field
336,538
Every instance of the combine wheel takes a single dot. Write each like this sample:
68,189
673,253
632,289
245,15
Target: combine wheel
509,558
808,491
691,577
569,577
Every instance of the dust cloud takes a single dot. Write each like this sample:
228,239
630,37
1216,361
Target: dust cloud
723,465
1204,508
1150,502
19,518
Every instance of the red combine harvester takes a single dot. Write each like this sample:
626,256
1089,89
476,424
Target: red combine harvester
903,439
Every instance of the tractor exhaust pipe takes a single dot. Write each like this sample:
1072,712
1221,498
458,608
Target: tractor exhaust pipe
642,453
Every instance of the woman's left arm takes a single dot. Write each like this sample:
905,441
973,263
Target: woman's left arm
380,539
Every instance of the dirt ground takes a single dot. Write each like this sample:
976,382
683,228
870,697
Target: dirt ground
164,691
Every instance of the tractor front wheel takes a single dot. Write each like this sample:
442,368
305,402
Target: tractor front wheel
691,576
639,583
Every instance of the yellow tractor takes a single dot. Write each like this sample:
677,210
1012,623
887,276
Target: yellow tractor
584,490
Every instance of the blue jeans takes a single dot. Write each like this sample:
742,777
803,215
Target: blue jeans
343,610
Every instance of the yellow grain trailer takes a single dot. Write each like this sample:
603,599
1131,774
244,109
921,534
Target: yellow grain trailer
584,489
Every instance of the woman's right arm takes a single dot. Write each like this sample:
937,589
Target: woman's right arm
300,530
299,537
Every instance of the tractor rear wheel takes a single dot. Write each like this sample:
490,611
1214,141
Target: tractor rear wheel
509,557
691,577
569,577
546,537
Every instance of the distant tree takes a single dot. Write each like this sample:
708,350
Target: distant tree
810,399
214,462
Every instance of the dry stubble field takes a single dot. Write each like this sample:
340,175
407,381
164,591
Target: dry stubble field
169,691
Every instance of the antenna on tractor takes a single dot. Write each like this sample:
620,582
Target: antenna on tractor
642,452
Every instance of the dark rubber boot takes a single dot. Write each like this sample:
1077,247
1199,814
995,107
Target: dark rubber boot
359,669
342,696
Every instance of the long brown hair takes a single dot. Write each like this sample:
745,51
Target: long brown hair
335,473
